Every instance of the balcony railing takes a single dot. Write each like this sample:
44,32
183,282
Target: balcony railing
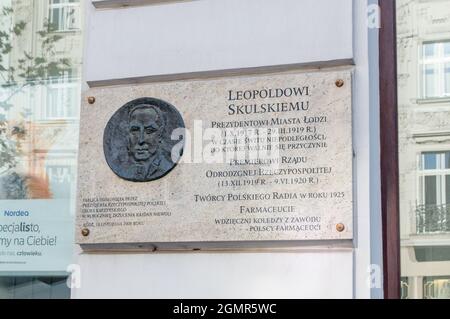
432,219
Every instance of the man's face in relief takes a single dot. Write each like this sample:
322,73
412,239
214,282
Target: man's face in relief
144,133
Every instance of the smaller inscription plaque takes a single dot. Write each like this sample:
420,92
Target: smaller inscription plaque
137,140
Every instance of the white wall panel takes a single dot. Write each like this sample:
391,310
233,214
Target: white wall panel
203,35
217,275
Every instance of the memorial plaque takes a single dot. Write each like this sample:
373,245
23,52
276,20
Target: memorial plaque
254,159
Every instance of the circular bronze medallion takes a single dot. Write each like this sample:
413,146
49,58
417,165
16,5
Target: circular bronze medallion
143,140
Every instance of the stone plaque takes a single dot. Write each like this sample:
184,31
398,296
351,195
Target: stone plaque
255,159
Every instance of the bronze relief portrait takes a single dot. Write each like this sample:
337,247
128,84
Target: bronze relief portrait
138,142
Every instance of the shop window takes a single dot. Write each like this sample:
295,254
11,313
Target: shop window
39,139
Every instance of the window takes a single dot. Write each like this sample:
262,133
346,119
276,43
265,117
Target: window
61,179
64,15
404,286
436,287
63,94
436,69
433,211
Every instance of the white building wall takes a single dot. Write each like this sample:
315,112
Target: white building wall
203,35
190,39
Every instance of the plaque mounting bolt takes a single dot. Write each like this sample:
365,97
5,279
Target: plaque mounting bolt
85,232
339,83
91,99
340,227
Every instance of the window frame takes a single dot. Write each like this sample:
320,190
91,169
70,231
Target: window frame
63,7
389,157
390,205
422,208
440,172
439,62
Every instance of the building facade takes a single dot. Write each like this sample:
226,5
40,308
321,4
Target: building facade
424,123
